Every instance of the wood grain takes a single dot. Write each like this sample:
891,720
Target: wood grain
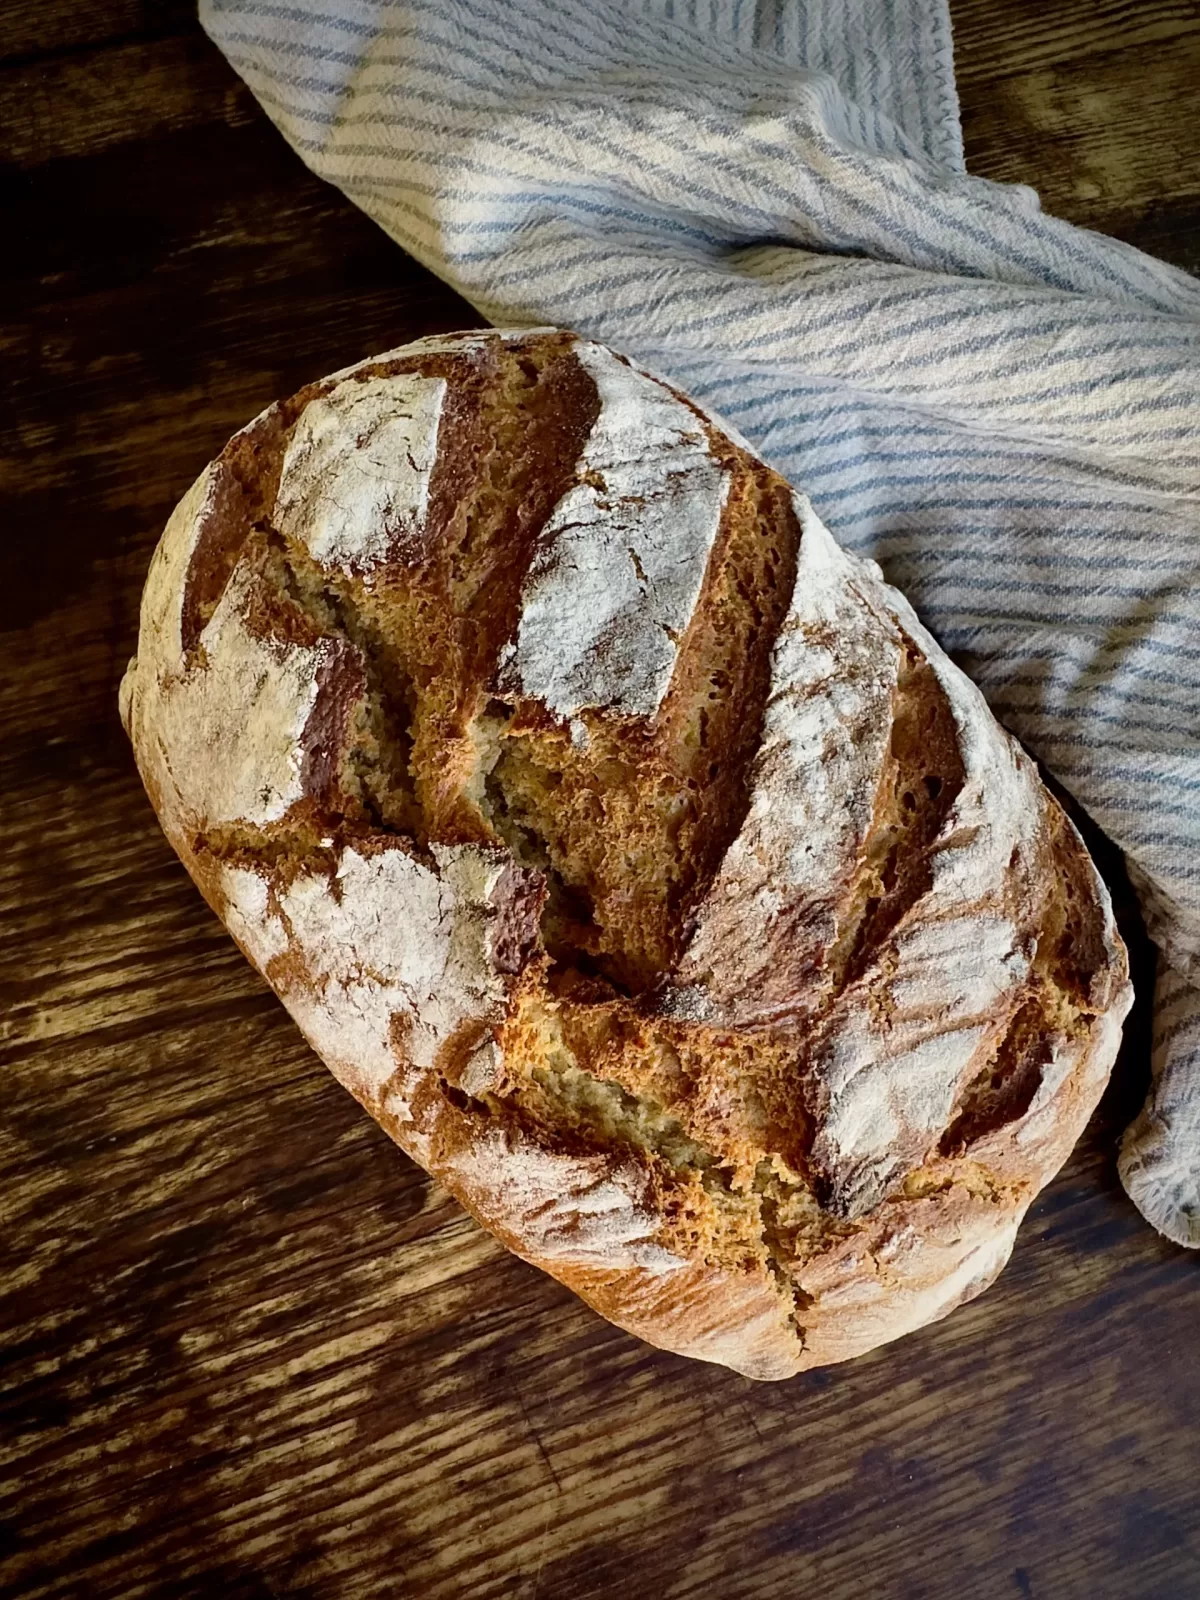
248,1349
38,30
1096,104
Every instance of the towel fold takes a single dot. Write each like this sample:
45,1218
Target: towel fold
767,203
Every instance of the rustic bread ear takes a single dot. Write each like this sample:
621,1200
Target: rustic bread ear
628,849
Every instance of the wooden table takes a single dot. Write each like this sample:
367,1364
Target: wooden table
250,1350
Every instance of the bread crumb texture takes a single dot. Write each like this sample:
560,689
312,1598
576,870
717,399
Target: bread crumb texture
627,848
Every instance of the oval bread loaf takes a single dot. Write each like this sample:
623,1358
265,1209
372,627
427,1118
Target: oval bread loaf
629,850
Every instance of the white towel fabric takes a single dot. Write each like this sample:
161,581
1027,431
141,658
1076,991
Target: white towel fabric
765,200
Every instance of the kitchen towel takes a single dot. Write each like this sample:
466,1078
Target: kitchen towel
765,200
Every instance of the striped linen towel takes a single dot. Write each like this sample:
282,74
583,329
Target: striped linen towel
766,201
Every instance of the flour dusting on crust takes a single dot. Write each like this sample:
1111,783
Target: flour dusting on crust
915,1278
892,1084
622,559
355,481
825,733
237,717
389,950
574,1210
162,598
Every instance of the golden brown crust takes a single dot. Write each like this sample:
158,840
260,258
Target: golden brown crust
629,851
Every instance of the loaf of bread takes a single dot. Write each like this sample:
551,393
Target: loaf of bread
629,850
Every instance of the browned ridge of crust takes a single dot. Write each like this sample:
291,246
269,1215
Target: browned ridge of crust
616,838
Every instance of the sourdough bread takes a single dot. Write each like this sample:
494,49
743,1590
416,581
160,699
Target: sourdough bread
628,849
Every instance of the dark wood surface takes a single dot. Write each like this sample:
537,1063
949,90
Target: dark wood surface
249,1350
